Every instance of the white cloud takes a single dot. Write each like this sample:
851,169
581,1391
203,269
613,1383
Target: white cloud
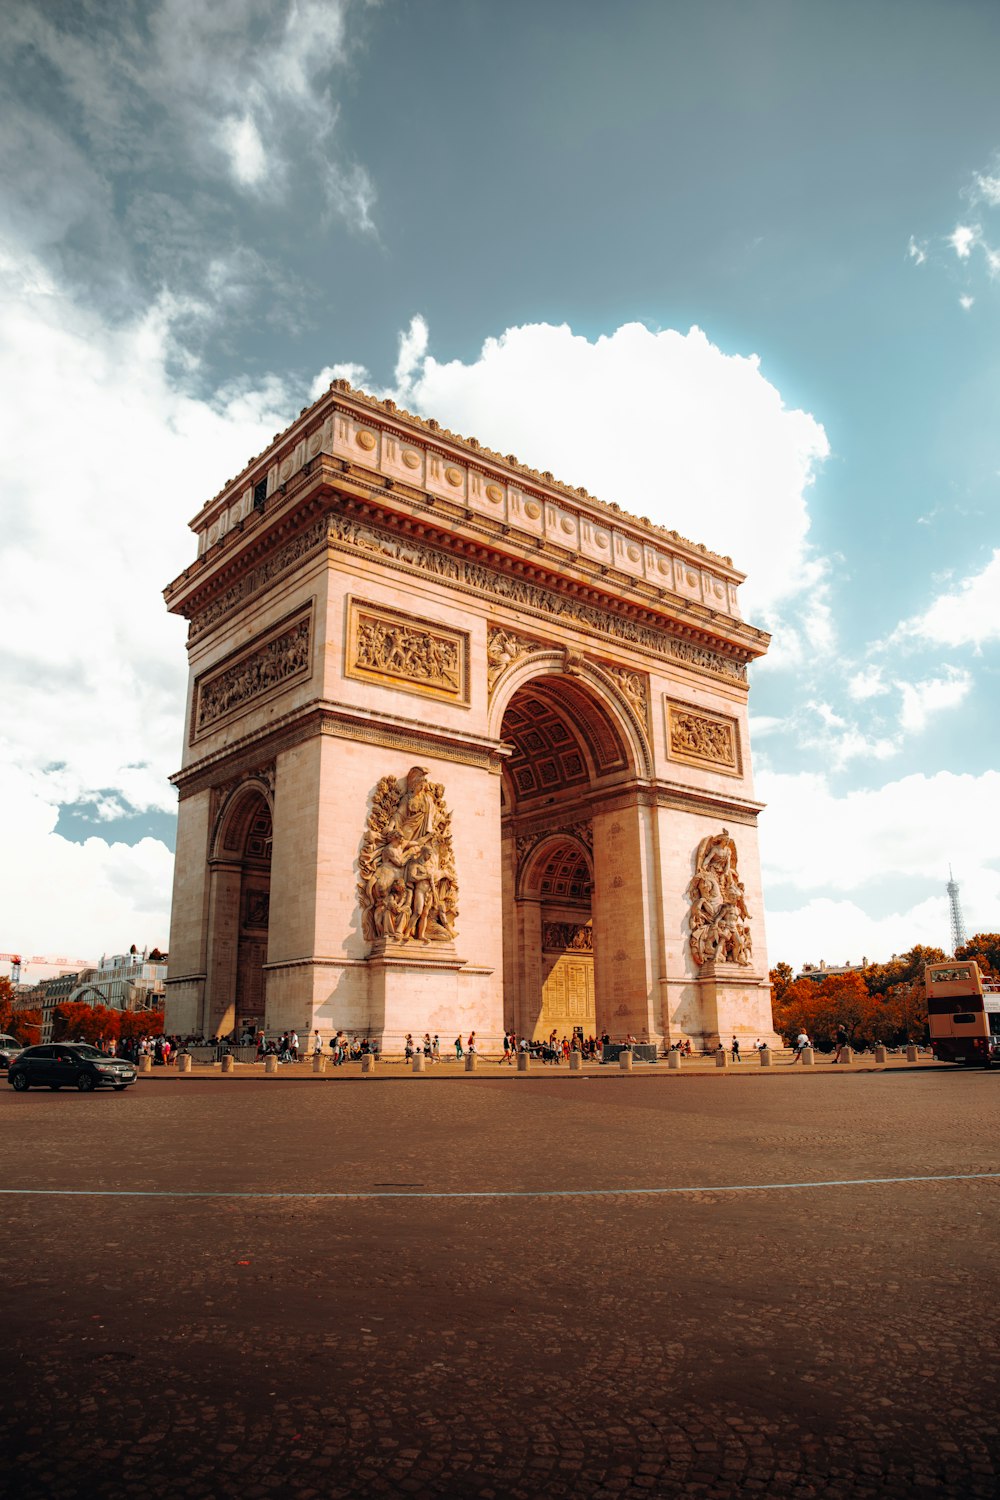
986,189
922,699
963,239
916,252
105,460
868,683
967,615
966,302
241,140
814,840
663,423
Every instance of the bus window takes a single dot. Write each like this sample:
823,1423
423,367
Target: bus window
965,1018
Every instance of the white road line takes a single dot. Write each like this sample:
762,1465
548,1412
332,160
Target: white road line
612,1192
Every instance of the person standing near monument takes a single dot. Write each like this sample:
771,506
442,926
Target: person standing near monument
801,1043
735,1049
842,1041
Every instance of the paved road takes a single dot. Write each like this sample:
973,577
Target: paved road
807,1341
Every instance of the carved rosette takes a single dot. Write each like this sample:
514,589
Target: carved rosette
407,887
719,920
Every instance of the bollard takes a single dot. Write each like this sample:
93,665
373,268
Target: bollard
419,1063
270,1063
523,1062
847,1055
146,1064
808,1057
575,1062
367,1062
881,1055
228,1063
319,1062
471,1062
722,1059
673,1059
764,1053
911,1054
184,1063
625,1061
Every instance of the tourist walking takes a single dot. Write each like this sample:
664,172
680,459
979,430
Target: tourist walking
842,1041
801,1043
735,1049
458,1049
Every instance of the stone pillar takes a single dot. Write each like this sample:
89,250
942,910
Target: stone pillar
419,1063
471,1062
847,1055
228,1063
881,1055
627,995
625,1061
319,1062
911,1054
146,1064
575,1062
764,1053
722,1059
270,1063
223,942
184,1063
808,1057
523,1062
367,1062
528,916
673,1059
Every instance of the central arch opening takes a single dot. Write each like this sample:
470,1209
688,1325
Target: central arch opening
566,746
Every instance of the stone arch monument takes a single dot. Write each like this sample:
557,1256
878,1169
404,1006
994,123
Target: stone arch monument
465,749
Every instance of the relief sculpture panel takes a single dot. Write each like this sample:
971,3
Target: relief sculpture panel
407,887
268,665
719,920
399,650
700,738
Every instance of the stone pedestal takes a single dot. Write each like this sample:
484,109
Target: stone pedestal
722,1059
881,1055
673,1060
270,1063
847,1055
228,1064
471,1062
625,1061
808,1057
146,1064
523,1062
367,1062
735,1001
419,1063
575,1062
764,1053
911,1054
319,1063
184,1064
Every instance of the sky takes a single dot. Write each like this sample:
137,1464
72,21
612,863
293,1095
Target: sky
767,232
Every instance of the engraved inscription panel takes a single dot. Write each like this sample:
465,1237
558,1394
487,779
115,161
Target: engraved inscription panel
400,650
700,738
270,665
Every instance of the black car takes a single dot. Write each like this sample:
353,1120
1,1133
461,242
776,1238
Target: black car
69,1065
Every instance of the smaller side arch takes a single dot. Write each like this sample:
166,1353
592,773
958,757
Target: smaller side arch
232,821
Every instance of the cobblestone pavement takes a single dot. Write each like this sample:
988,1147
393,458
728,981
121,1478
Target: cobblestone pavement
837,1341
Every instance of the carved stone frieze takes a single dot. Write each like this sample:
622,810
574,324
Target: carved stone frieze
503,648
407,887
718,918
365,540
258,577
701,738
270,664
634,686
563,937
399,650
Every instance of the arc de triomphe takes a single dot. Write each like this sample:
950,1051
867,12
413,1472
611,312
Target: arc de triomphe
465,749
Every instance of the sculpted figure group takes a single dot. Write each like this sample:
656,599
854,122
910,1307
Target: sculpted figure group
407,888
719,920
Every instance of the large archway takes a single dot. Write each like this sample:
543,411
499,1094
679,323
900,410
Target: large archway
240,900
574,896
